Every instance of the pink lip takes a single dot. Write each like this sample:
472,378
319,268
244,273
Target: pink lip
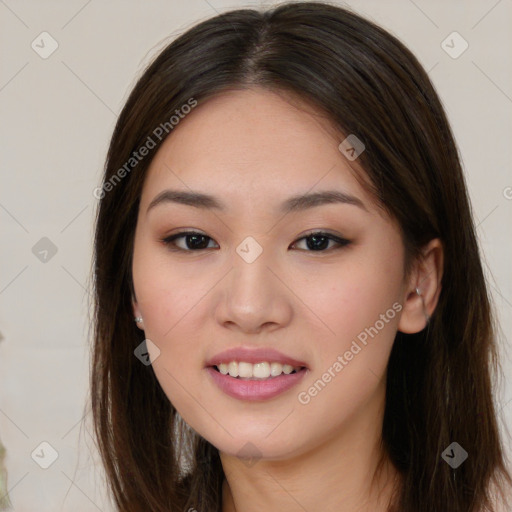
255,390
254,355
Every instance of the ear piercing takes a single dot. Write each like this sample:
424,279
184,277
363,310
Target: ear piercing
138,319
427,316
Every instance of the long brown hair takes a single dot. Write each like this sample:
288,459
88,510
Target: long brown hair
439,381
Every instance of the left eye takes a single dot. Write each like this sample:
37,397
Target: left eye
316,241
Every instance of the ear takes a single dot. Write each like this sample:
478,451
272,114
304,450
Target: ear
423,288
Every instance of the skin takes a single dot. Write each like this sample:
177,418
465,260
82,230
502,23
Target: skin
253,149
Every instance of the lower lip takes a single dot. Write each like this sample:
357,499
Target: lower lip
255,389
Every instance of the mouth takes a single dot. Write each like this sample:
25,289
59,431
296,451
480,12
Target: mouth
255,374
255,382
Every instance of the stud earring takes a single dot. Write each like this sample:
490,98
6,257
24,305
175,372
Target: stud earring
427,316
138,319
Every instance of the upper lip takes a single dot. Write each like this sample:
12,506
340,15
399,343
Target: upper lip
254,355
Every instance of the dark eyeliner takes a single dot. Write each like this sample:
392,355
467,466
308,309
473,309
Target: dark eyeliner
167,241
342,242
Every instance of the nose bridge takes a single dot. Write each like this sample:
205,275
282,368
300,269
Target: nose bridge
250,261
252,293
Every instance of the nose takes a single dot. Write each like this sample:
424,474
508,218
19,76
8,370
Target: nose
254,297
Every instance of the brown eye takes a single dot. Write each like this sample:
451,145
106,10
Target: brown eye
318,241
193,241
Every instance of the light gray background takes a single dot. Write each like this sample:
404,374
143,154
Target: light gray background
57,117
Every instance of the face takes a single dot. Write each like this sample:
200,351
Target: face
253,277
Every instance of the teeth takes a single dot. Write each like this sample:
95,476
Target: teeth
245,370
287,369
276,369
262,370
233,369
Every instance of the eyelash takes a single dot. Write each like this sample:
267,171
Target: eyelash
168,241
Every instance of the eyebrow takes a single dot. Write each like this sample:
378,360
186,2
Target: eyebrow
292,204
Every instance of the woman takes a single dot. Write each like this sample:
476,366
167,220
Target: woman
291,312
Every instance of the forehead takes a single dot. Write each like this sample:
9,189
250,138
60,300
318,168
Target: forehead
253,145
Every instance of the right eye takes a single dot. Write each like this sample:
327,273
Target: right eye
193,241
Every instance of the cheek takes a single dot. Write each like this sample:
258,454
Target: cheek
175,301
167,292
353,296
168,303
361,309
167,299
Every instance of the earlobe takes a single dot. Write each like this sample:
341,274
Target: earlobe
423,290
137,316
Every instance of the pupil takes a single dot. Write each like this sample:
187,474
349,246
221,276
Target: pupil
318,242
194,244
